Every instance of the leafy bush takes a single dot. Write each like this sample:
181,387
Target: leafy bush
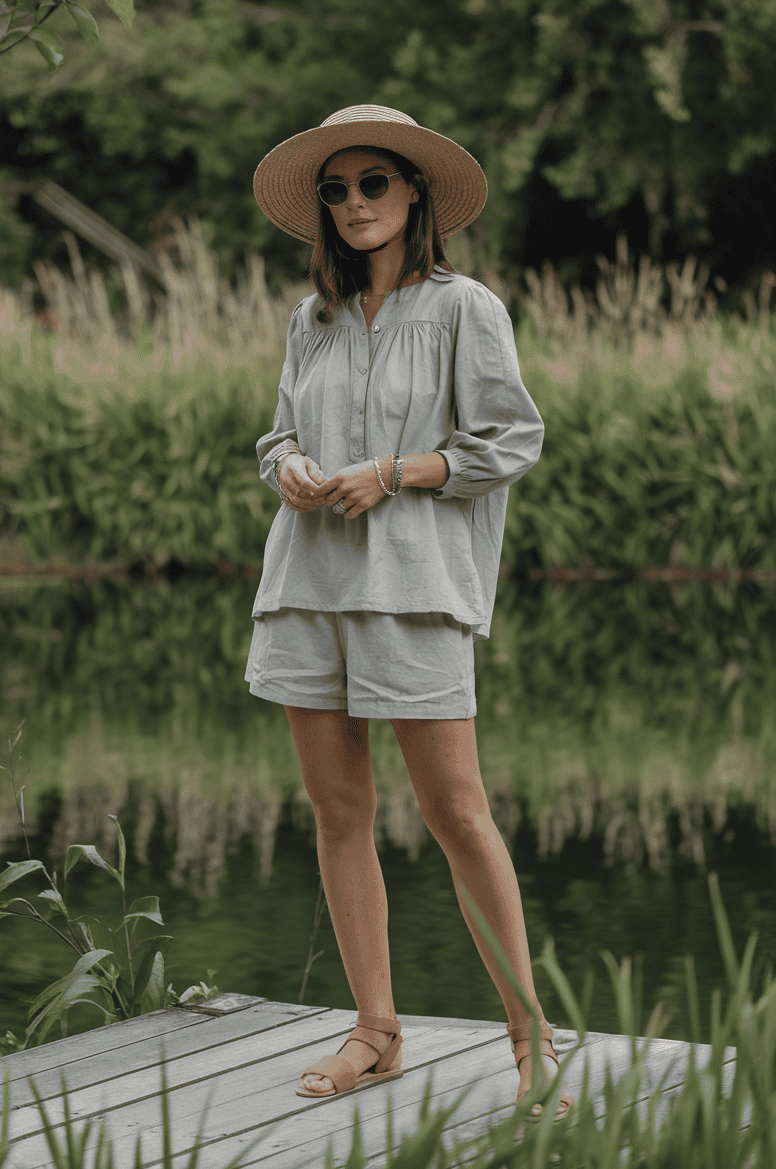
132,983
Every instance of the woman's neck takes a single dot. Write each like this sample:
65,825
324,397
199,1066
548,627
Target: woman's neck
386,266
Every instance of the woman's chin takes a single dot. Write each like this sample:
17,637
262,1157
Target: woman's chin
361,244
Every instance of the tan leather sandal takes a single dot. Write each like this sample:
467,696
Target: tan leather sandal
342,1073
520,1038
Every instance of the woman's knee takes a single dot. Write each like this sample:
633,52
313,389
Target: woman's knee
441,759
333,753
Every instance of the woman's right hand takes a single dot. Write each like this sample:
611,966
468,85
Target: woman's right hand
298,475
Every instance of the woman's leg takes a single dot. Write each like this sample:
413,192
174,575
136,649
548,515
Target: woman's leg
333,752
441,757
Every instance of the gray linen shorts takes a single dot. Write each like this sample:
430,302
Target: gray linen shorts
373,665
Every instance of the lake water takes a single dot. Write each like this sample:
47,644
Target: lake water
626,740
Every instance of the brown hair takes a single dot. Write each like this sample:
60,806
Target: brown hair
339,271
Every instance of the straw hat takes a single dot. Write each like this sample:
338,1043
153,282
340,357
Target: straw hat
284,182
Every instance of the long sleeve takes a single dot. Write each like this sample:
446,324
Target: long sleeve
284,424
499,432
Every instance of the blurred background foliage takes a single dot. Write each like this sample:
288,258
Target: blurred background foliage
652,118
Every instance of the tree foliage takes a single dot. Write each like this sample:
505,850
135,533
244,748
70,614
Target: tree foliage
24,19
652,116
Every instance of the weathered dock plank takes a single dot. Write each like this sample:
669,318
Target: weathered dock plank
144,1054
62,1052
242,1069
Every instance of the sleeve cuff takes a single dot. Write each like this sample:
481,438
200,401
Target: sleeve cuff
447,490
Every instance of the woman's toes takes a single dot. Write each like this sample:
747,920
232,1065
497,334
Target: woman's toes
318,1083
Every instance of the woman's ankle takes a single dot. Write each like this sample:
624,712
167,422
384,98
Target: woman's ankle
382,1014
523,1019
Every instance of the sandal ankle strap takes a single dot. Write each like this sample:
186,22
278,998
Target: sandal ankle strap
523,1049
379,1023
520,1031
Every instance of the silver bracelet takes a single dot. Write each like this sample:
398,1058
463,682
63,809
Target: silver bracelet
288,447
395,480
396,462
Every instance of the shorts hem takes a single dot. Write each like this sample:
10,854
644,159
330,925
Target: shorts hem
295,700
387,710
397,710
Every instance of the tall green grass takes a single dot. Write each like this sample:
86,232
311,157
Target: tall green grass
141,462
710,1123
129,433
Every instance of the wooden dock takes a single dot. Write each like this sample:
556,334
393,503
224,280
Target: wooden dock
241,1058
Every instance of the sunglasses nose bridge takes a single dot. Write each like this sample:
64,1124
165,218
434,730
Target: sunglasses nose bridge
360,198
355,194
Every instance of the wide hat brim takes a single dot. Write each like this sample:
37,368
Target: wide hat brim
284,182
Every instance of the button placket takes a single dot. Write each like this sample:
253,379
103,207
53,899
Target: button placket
358,436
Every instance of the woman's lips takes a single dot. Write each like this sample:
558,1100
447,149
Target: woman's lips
362,222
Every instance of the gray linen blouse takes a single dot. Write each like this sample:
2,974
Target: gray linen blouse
437,371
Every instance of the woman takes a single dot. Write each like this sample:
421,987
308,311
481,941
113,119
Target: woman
380,570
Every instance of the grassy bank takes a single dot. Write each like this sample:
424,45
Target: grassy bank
132,435
131,458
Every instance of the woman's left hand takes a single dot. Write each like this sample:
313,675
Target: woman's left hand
357,485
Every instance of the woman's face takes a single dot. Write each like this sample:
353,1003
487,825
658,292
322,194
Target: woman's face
368,223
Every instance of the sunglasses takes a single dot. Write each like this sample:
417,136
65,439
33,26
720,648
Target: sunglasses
334,193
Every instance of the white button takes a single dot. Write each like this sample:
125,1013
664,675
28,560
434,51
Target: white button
363,369
377,328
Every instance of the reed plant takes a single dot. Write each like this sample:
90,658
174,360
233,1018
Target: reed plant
74,1154
632,301
119,971
130,421
709,1123
198,309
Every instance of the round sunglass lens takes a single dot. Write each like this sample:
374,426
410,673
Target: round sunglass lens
333,193
373,186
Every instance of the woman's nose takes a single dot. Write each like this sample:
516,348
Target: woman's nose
355,198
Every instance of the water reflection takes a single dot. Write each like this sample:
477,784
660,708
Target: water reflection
625,737
632,716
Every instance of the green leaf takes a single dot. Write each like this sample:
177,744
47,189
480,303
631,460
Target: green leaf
16,870
563,988
95,933
84,964
19,901
153,996
71,994
57,1153
124,9
78,987
84,22
145,907
122,848
55,899
49,46
145,970
16,20
724,935
90,853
